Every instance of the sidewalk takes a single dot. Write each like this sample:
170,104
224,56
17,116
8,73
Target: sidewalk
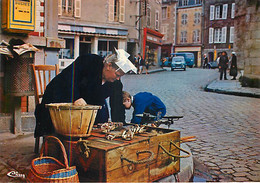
232,87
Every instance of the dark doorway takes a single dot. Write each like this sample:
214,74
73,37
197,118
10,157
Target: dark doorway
84,48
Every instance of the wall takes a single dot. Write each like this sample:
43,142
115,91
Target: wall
247,36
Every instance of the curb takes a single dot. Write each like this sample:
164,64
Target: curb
237,93
231,91
157,70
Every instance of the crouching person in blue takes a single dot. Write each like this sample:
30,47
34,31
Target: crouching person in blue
143,102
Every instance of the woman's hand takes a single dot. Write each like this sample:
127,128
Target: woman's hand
80,102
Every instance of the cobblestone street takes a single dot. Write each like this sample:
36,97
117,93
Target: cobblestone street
226,126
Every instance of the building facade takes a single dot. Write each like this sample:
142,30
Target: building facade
188,37
169,26
96,27
247,39
218,27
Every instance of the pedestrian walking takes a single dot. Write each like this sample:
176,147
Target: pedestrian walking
146,67
141,63
136,63
223,65
233,66
205,61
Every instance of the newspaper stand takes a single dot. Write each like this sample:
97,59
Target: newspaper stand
18,76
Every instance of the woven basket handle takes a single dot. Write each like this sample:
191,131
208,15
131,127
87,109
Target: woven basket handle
44,146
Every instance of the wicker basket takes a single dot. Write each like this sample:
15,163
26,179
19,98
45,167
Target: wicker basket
49,169
71,120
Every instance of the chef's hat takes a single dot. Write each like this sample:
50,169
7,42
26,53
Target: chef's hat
123,62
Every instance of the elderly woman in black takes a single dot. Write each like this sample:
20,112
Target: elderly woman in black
233,66
90,79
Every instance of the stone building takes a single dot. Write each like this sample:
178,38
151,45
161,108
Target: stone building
150,25
188,37
97,27
247,40
168,27
218,28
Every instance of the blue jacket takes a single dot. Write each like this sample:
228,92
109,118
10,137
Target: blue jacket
146,102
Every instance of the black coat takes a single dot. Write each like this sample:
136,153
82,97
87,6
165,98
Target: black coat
81,79
223,61
233,66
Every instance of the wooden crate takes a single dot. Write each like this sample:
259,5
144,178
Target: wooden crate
106,162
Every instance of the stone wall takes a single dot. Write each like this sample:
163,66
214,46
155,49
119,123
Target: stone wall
247,37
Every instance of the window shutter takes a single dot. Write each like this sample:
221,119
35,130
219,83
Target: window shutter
77,10
212,8
111,11
211,31
59,7
157,20
122,11
233,10
224,13
168,12
231,39
224,34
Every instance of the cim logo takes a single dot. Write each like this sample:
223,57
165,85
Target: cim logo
15,174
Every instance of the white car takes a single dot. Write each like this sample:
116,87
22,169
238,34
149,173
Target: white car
178,63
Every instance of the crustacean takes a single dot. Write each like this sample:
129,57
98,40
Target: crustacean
127,134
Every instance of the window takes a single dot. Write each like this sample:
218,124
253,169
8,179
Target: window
218,12
185,2
224,12
69,8
218,35
211,31
184,19
196,36
231,39
148,20
168,12
221,11
68,52
116,10
233,10
107,47
184,37
157,20
164,12
198,2
197,18
212,8
165,32
224,34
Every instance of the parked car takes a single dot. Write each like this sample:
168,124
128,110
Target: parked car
165,62
188,57
213,64
178,63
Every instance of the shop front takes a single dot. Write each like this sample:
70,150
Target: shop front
82,40
152,42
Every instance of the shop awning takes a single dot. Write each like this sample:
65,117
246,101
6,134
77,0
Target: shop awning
110,31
